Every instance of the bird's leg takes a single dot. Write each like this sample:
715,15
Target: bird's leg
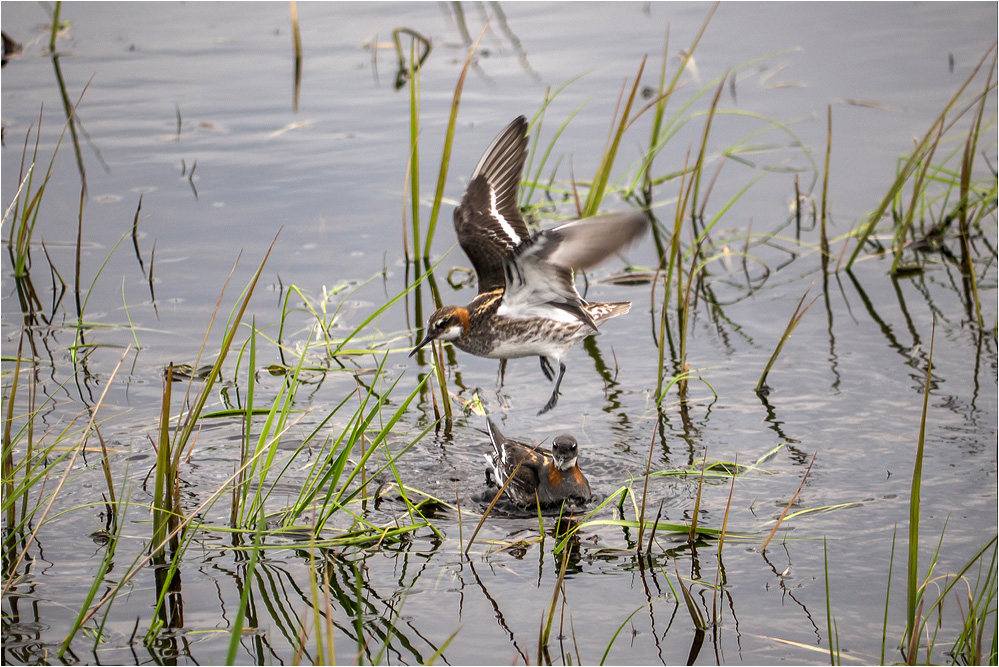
546,368
500,373
554,397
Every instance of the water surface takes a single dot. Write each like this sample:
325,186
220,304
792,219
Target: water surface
331,175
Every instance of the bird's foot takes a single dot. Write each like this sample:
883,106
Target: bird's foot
552,402
546,368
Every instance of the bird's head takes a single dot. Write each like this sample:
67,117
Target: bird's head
447,323
565,449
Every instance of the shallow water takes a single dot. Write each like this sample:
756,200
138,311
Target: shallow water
847,388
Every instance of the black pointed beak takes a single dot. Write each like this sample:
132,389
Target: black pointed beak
421,344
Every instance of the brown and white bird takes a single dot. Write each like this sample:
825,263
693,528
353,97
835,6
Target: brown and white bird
527,304
550,478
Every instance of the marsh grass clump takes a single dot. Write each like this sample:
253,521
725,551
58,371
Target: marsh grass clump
944,187
329,510
39,458
973,589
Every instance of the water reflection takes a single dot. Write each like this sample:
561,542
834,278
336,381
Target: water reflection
783,578
166,640
498,613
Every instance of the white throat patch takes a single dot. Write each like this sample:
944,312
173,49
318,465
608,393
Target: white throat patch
451,333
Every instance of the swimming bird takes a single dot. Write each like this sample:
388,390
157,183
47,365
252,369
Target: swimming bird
552,478
527,304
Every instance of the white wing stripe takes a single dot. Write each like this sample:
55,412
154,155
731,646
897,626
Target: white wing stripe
504,225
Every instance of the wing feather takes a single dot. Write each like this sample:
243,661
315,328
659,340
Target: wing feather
488,220
539,273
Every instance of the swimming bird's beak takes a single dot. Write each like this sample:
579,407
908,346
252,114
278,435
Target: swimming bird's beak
564,462
426,339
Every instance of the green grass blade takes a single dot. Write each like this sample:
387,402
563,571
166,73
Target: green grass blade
236,631
448,141
596,193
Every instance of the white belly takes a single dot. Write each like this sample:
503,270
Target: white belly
550,341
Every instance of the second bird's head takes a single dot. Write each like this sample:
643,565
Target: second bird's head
447,323
565,449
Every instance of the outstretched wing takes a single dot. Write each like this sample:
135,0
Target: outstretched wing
582,244
488,220
539,273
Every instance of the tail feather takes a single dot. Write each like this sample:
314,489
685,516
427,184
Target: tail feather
495,459
604,311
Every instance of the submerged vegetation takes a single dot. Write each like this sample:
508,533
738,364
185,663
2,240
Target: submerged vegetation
315,486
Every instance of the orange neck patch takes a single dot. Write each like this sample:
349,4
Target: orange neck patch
462,314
